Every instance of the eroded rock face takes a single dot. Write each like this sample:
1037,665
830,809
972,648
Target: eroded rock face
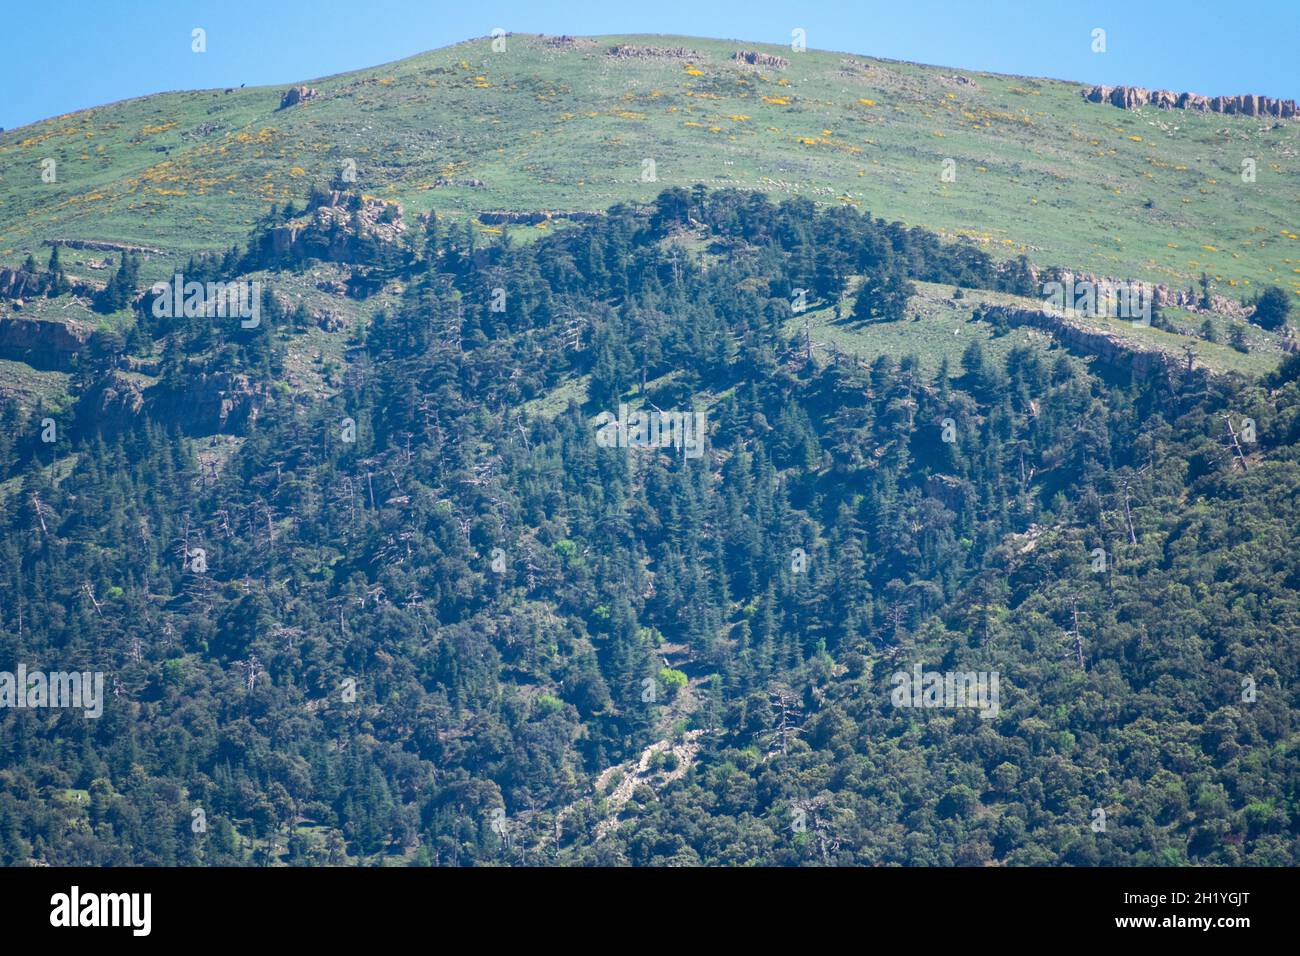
17,284
1109,348
297,94
217,402
42,343
114,403
1246,104
955,493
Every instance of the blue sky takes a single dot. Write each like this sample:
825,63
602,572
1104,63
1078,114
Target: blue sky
86,52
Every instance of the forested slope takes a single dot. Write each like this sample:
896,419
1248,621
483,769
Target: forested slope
425,644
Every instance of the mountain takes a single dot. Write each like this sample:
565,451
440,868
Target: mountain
521,510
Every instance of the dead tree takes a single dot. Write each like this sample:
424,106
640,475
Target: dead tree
822,831
1126,495
787,718
1078,638
252,668
896,612
1232,433
41,511
90,593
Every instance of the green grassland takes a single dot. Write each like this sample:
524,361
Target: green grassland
936,327
939,325
28,386
1151,194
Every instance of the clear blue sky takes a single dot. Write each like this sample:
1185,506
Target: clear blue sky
79,53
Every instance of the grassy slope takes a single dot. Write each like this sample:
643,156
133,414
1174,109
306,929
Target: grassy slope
944,328
567,126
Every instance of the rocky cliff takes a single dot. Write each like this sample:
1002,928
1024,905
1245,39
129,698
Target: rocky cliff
1110,349
218,402
42,343
1246,104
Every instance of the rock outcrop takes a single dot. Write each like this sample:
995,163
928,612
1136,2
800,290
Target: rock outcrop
1110,349
751,58
215,402
532,217
564,41
18,284
297,94
955,493
626,50
1246,104
42,343
112,404
329,321
1162,295
336,227
98,245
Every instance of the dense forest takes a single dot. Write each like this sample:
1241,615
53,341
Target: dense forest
437,624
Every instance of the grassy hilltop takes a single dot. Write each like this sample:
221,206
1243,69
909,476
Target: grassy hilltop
555,123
